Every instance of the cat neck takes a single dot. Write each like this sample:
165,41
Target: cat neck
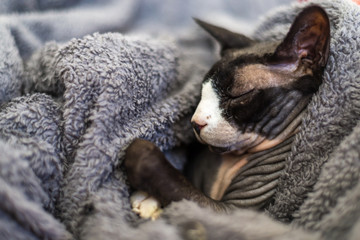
267,157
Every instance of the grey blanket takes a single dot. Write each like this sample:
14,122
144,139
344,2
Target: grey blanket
70,107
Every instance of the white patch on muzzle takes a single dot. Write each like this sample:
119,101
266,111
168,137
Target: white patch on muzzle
218,132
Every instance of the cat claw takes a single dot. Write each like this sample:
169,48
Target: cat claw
145,206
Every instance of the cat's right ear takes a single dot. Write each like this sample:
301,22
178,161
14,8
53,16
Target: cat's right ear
308,40
227,39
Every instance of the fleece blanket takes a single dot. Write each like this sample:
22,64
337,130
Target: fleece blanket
72,100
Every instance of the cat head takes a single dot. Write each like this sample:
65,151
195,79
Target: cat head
253,97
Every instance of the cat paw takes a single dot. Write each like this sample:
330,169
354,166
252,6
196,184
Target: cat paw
145,206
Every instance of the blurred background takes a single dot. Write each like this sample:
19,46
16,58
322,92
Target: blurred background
32,23
156,15
173,14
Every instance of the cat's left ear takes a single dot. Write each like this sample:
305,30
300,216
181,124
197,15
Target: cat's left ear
227,39
307,41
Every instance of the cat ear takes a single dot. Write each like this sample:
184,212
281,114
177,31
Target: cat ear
307,41
226,38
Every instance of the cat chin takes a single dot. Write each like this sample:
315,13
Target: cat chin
215,146
241,145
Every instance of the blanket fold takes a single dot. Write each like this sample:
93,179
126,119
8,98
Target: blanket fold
128,89
70,107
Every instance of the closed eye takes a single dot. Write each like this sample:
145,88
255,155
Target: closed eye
243,95
242,99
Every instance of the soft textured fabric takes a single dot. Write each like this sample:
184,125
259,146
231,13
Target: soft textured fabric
70,107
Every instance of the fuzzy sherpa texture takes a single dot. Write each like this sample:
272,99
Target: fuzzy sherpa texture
84,100
332,115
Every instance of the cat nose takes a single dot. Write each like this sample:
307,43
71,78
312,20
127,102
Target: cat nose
197,127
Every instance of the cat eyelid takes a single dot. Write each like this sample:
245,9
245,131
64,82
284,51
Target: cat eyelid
244,94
